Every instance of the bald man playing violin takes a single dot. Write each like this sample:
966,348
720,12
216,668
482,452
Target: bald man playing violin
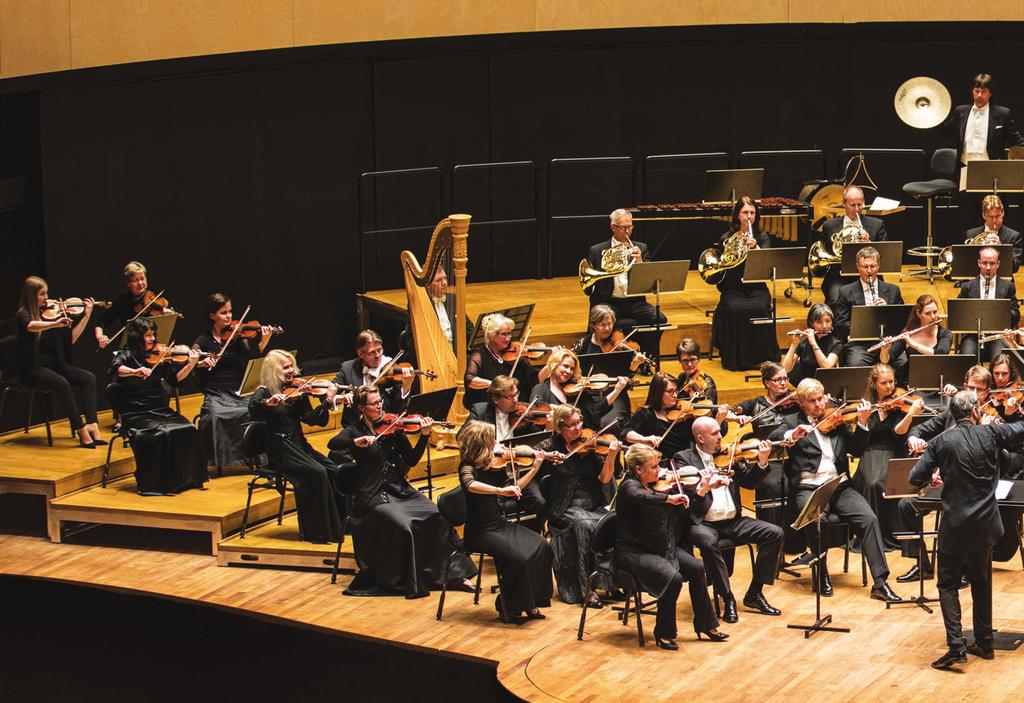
819,455
716,513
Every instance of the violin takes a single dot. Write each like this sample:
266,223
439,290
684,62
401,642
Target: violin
587,443
522,456
619,342
686,409
695,385
598,382
539,414
389,423
901,400
532,352
299,387
67,307
174,353
743,449
670,479
248,330
836,417
394,373
999,396
153,303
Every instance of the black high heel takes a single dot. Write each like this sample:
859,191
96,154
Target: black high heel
100,442
713,636
83,445
666,644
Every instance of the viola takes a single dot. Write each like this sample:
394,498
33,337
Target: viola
173,353
587,443
901,400
539,414
522,456
999,396
299,387
695,385
248,330
67,307
394,373
621,342
532,352
389,423
153,303
686,409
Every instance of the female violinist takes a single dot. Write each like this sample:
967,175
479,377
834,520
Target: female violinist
812,348
887,438
129,304
576,502
44,358
524,557
401,540
224,413
743,344
922,334
597,408
602,337
168,456
645,544
650,424
486,362
1008,404
692,381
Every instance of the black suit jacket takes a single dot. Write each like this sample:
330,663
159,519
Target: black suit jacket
967,457
875,228
853,294
1006,236
805,455
747,475
1002,132
351,374
1005,288
602,290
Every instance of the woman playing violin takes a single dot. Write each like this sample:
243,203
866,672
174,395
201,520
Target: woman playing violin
602,337
887,438
486,362
650,424
924,340
401,540
224,413
524,557
168,457
44,358
1005,375
127,305
691,380
309,471
576,502
645,544
598,408
812,348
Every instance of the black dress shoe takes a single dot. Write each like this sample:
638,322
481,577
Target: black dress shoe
826,586
957,655
964,583
594,602
100,442
666,644
616,595
713,636
757,601
729,613
978,651
536,616
882,592
914,574
83,445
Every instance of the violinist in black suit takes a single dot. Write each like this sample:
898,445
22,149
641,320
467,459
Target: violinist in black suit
817,457
866,290
965,461
995,231
872,229
365,369
716,512
989,286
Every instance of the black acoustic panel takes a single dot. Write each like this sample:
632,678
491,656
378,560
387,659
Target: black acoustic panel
590,186
679,178
401,199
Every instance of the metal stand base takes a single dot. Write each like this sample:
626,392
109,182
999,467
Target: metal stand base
929,251
820,625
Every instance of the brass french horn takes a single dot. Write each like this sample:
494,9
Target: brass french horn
820,259
615,261
713,262
945,263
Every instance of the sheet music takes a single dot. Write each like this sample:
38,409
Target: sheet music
1003,489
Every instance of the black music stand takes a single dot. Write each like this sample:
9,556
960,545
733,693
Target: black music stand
612,364
994,177
727,185
164,328
657,277
869,323
251,377
965,260
520,315
839,380
814,511
975,316
890,258
770,266
898,485
947,368
437,405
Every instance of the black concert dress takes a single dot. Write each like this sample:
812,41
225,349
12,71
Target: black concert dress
401,540
168,457
943,344
807,363
873,468
593,406
309,471
620,409
646,423
224,414
481,362
576,502
523,556
743,345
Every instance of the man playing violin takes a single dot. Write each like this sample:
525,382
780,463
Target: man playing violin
129,304
716,513
366,369
819,454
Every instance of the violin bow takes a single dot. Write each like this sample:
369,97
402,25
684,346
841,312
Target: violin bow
135,317
583,382
387,367
675,474
771,407
231,336
512,429
592,439
522,348
388,428
620,345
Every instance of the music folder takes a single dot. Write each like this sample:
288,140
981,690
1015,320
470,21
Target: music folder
872,322
612,364
965,260
897,479
972,315
728,185
890,257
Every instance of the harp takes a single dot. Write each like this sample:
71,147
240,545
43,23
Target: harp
434,350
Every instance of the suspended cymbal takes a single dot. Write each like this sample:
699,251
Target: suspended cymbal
922,102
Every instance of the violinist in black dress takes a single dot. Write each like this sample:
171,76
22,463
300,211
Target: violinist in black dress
601,336
486,362
168,456
128,305
598,407
44,358
650,424
224,413
309,471
645,545
401,540
523,557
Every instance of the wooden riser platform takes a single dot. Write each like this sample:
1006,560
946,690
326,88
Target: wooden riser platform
217,508
270,544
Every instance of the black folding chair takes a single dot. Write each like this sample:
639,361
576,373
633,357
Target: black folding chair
255,444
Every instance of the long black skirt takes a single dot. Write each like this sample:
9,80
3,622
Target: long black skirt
316,502
168,458
744,345
869,480
221,424
524,559
401,548
573,558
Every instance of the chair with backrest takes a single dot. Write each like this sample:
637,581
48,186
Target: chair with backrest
10,380
944,166
114,393
256,444
344,480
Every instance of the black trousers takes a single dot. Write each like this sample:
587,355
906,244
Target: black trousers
850,506
740,530
978,566
857,354
691,571
60,385
989,351
911,513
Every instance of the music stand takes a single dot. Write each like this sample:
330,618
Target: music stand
994,177
869,323
898,485
436,405
520,315
890,258
965,260
839,380
656,277
251,377
612,364
727,185
164,328
947,368
769,266
975,316
814,511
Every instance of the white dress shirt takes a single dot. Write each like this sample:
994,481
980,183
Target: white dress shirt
501,425
442,317
722,505
976,135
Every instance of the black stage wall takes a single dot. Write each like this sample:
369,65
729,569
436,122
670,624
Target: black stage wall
67,642
241,173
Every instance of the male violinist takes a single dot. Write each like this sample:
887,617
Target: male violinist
872,229
716,513
866,290
365,370
819,455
